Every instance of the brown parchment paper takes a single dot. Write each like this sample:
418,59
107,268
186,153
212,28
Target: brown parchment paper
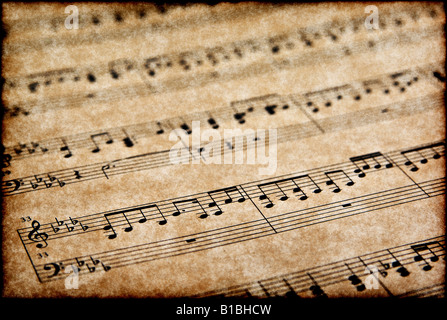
62,83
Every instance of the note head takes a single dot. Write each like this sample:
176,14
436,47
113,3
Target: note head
269,205
203,216
377,166
142,220
408,163
262,197
218,213
128,229
175,214
212,204
228,200
403,272
418,258
436,156
284,198
424,161
161,223
317,190
96,150
350,183
414,169
434,259
389,165
112,236
361,175
241,200
303,198
336,190
68,155
329,182
366,167
427,268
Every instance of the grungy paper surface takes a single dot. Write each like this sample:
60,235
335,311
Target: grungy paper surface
234,150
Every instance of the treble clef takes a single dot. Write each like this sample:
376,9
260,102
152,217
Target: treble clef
37,236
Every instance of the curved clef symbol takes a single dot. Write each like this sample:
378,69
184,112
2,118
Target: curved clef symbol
55,266
37,236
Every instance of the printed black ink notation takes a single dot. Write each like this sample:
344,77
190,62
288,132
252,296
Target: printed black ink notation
284,134
282,222
183,68
237,111
203,205
345,272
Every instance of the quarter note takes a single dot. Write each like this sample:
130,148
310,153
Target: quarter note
355,281
315,288
401,269
66,148
160,129
127,140
213,123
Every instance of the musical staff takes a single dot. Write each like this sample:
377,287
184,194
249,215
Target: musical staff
298,56
256,191
236,111
334,273
158,159
222,156
260,228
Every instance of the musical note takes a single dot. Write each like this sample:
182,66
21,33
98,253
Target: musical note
66,148
401,269
109,226
127,140
366,166
408,153
93,137
331,182
36,236
160,129
295,188
144,218
202,213
315,288
355,281
229,199
213,123
424,247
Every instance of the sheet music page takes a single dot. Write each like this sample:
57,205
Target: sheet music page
243,150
